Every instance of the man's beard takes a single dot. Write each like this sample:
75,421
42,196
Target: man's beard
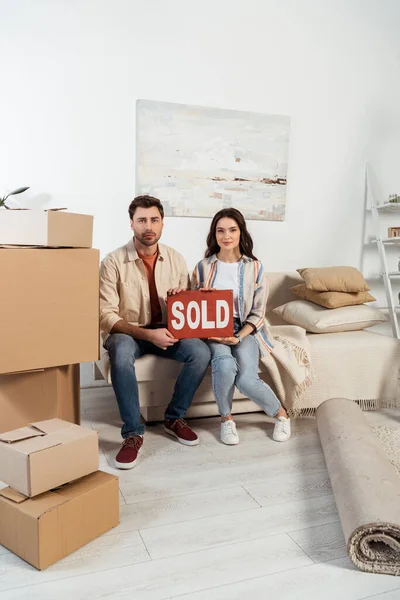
147,241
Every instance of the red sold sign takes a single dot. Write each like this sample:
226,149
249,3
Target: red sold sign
196,314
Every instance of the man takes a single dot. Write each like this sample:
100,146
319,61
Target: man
134,282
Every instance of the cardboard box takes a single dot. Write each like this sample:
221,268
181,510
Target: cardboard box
47,454
39,395
393,232
44,529
45,228
49,307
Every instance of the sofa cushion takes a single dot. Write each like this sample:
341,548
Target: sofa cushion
334,279
332,299
317,319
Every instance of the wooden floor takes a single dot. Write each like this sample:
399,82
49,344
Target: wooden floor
210,522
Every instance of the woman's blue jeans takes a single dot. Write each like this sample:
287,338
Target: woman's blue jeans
238,365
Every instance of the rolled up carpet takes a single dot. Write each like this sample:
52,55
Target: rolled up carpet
365,485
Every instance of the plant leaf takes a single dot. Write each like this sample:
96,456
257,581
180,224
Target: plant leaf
15,192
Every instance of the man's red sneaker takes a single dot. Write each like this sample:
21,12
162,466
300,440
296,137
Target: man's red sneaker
126,457
181,430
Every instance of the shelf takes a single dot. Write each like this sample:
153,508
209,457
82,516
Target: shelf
394,240
386,247
388,207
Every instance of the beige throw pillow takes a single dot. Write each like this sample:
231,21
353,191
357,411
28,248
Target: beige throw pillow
334,279
332,299
316,319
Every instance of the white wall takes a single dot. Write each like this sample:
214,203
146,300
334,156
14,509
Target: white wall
71,71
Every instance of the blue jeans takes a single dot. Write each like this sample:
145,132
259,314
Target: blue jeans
238,365
124,350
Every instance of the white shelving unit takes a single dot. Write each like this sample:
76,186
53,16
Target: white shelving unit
387,275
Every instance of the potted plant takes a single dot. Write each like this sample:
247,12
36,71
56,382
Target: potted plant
14,193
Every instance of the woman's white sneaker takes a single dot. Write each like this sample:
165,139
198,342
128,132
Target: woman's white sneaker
281,430
229,434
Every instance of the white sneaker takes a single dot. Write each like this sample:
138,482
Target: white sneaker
228,433
281,430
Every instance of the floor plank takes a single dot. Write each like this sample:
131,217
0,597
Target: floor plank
183,482
193,536
104,553
142,515
326,581
159,464
161,579
394,595
322,543
286,489
4,550
299,445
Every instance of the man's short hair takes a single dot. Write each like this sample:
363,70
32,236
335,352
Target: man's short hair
145,202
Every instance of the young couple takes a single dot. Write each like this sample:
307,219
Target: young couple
134,283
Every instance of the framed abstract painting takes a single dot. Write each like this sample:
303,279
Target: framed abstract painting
198,160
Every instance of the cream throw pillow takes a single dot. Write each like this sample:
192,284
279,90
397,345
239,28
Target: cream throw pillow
332,299
317,319
334,279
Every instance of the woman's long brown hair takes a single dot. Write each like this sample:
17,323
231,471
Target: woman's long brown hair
245,244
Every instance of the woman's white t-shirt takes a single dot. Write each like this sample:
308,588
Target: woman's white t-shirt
227,278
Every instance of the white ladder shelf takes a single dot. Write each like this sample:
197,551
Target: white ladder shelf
386,274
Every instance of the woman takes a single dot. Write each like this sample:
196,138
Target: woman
229,263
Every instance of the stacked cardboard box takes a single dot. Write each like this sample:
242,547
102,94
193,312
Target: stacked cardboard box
49,290
49,298
57,501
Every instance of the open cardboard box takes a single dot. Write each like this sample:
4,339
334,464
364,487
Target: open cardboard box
39,395
47,454
44,529
53,228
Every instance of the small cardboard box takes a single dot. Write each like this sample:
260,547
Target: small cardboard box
52,228
47,454
49,306
394,232
44,529
39,395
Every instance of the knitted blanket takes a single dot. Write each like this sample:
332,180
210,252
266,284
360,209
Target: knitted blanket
285,353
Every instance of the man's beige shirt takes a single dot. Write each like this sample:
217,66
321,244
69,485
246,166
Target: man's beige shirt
124,290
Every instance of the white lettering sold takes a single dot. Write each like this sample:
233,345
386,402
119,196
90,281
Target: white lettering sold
196,316
222,305
179,322
193,306
206,324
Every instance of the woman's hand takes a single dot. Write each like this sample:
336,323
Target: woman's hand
228,341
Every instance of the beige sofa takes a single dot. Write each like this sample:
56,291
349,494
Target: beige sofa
360,365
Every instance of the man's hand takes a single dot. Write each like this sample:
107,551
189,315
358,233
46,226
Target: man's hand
228,341
205,289
174,291
161,338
